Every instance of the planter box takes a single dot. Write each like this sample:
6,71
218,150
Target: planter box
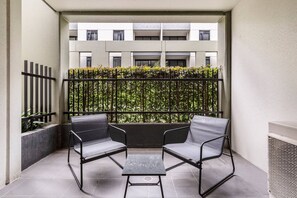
139,135
39,143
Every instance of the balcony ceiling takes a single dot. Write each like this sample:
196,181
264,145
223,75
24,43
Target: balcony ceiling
143,11
142,5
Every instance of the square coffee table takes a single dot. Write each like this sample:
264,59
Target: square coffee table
144,165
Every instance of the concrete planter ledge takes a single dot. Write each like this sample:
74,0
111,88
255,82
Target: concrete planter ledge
39,143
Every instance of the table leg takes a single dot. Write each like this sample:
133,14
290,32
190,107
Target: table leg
126,186
161,186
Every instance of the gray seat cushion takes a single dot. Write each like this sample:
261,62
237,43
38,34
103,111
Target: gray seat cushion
99,147
191,151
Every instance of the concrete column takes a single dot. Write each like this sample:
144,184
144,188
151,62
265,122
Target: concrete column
132,59
224,60
14,90
126,59
192,59
100,56
161,32
74,59
64,66
3,93
163,59
200,59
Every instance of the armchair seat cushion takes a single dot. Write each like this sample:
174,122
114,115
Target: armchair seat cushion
99,147
191,151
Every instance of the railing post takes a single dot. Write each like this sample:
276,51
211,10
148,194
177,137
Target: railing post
31,94
116,96
169,98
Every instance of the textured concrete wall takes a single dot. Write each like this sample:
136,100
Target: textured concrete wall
38,144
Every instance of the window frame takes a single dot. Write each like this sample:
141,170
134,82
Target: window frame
91,37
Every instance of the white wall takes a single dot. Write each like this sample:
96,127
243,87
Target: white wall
264,68
195,27
83,59
40,37
3,92
105,30
10,90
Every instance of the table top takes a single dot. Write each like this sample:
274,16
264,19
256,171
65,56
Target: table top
144,164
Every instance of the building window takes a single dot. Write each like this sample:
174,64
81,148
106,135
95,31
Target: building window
147,38
92,35
176,62
207,60
148,62
73,38
174,38
89,61
204,35
117,61
118,35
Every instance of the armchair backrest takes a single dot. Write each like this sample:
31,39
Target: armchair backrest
90,127
204,128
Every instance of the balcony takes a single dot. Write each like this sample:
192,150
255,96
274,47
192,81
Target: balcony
259,83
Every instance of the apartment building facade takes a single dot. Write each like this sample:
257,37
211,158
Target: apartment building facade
143,44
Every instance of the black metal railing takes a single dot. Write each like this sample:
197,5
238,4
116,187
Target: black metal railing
37,97
165,99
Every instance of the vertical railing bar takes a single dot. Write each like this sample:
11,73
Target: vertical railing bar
116,96
68,95
83,92
78,91
206,92
102,92
212,92
112,97
31,93
98,93
218,95
169,98
93,91
36,89
41,92
50,94
142,93
46,92
88,91
25,89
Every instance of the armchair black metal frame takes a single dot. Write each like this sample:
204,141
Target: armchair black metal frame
198,164
75,137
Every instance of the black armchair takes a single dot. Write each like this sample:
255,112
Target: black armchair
93,138
205,140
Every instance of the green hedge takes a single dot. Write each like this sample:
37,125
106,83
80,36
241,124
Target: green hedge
165,91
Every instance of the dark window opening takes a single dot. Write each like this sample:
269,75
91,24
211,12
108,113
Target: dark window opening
176,62
207,60
204,35
148,62
174,38
92,35
117,61
89,61
73,38
118,35
147,38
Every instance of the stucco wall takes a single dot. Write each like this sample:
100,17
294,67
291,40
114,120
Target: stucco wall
40,37
264,68
3,91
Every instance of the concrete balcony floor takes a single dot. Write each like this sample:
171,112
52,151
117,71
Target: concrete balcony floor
51,178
